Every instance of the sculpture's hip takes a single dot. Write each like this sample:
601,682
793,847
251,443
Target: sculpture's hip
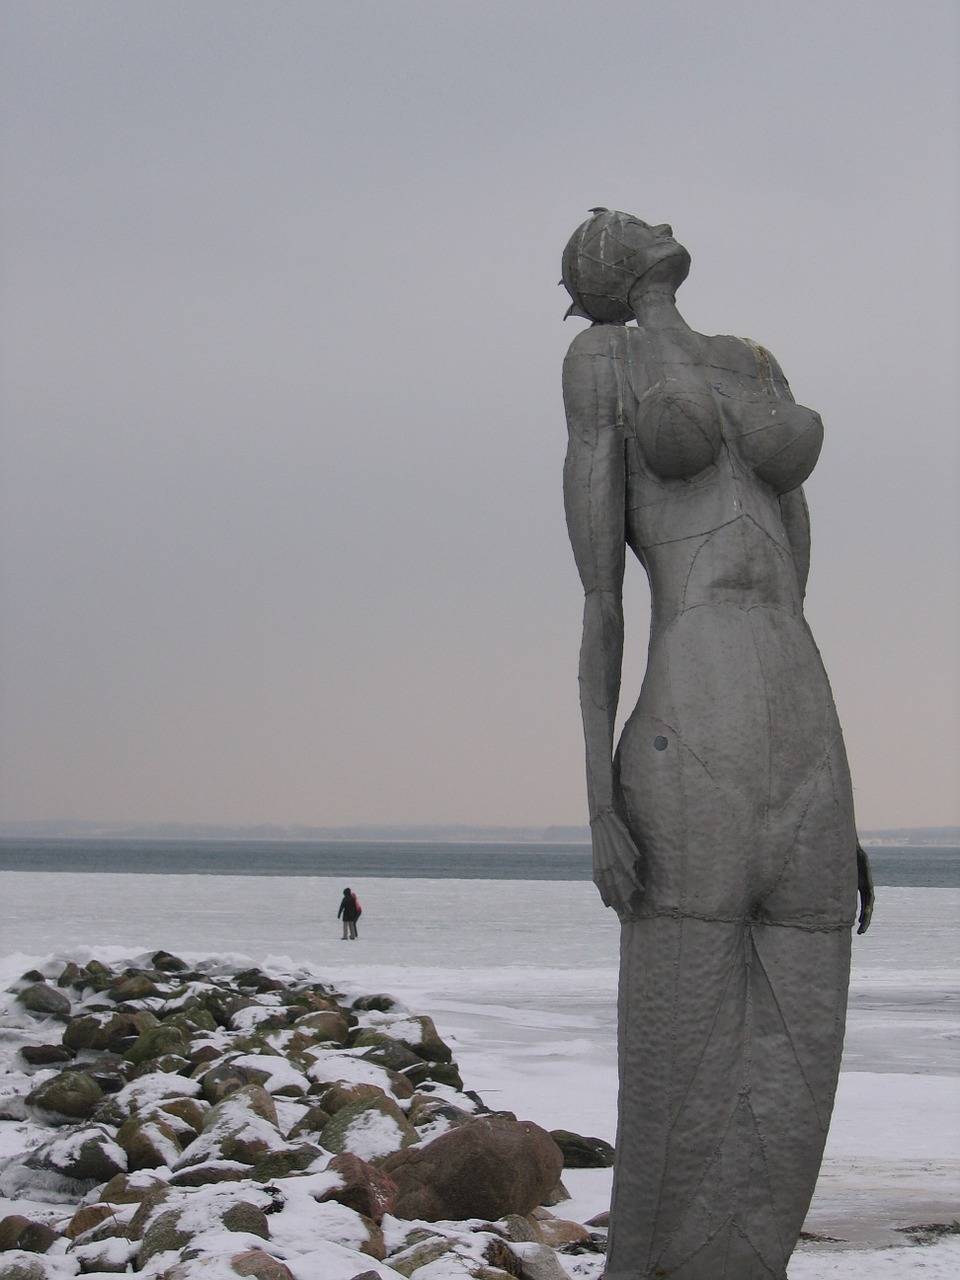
734,775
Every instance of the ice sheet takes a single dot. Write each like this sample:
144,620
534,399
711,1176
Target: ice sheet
520,978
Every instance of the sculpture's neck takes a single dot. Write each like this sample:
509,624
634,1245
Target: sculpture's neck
656,309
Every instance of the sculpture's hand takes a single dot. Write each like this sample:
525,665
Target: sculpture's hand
864,889
617,865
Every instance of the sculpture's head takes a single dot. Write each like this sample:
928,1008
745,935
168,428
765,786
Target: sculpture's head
609,254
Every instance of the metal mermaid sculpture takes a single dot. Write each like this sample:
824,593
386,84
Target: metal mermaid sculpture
722,825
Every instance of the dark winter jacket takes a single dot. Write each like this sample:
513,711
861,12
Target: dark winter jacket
348,908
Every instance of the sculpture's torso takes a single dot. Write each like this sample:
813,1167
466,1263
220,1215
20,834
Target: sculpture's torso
711,444
728,812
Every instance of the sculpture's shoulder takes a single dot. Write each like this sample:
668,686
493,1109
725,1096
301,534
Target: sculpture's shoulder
599,342
593,378
747,359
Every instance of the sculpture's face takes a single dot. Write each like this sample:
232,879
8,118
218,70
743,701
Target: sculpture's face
656,247
609,254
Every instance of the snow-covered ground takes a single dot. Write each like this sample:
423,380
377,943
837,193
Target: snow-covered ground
520,978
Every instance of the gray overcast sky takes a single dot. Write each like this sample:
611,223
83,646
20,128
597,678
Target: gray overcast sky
282,532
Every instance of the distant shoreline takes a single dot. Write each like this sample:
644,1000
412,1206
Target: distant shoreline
439,833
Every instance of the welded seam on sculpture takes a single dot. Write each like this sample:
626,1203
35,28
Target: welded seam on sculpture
734,1223
838,809
790,1040
665,1161
708,538
810,781
677,913
706,1042
770,1185
709,1165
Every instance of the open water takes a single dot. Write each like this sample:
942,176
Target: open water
906,866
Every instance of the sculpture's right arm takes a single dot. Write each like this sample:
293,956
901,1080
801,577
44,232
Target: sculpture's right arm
595,501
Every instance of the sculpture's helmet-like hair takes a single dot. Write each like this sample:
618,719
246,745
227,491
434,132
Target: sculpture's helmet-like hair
600,266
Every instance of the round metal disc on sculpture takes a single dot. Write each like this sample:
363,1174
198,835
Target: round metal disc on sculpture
729,850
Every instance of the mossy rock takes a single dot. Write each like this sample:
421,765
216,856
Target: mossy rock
45,1055
111,1255
70,1095
204,1055
583,1153
371,1128
246,1217
324,1026
150,1205
41,998
380,1003
221,1081
425,1042
87,1155
255,1263
444,1073
390,1053
312,1121
71,975
133,986
420,1255
171,1064
98,975
210,1171
253,1097
191,1020
126,1189
184,1111
342,1095
281,1164
158,1042
20,1268
150,1143
258,981
142,1020
370,1038
427,1110
224,1004
109,1112
98,1030
241,1129
162,1235
272,1020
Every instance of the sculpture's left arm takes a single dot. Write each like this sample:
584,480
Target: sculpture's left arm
794,511
796,522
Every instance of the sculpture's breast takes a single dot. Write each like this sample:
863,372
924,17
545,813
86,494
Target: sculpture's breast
678,430
778,440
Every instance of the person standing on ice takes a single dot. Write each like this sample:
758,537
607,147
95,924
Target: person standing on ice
349,911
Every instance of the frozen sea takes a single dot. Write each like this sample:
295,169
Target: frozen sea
520,977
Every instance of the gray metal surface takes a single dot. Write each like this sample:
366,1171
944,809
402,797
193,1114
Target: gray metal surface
722,823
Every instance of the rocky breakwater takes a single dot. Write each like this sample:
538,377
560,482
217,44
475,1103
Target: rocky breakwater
198,1121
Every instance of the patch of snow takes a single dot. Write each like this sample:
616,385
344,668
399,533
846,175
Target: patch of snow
158,1086
372,1134
281,1072
344,1068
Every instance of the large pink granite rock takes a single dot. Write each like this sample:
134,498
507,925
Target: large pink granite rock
484,1169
